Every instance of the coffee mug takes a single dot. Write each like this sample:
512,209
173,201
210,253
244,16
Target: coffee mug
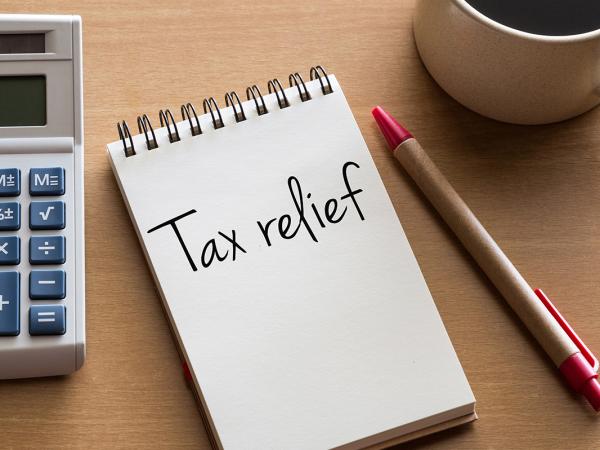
519,61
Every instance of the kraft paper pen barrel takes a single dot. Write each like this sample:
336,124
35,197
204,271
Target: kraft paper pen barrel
541,318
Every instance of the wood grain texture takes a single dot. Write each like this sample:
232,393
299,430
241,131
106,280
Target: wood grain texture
536,189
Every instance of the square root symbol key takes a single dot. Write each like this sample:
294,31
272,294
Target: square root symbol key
47,215
47,250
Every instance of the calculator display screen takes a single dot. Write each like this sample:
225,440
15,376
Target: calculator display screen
22,101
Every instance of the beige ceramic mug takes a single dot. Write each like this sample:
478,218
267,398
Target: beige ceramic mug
503,72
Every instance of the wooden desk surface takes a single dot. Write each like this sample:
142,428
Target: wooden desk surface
537,189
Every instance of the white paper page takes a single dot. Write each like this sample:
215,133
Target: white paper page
298,344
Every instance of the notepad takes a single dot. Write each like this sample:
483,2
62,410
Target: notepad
290,286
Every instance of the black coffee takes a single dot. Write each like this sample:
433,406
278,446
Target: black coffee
549,17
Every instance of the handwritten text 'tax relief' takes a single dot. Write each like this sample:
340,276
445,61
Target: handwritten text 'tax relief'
306,219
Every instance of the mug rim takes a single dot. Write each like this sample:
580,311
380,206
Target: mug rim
490,23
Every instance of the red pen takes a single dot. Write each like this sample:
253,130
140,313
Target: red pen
577,364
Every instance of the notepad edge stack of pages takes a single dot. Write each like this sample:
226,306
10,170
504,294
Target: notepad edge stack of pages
383,437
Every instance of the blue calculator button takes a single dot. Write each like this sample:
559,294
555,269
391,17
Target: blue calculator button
47,285
47,250
9,304
47,215
10,216
10,250
47,320
47,181
10,182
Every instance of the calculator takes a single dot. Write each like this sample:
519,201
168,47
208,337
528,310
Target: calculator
42,303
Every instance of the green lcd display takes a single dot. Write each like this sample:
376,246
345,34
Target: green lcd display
22,101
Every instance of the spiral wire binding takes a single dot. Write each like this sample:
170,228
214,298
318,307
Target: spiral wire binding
208,104
296,79
188,112
275,87
254,91
165,117
144,125
240,115
123,135
318,72
185,114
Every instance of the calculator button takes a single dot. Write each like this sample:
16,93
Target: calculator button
47,284
47,320
10,216
9,303
47,250
10,250
47,215
10,182
47,181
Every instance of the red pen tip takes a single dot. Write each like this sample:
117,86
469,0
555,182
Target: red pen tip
591,391
394,133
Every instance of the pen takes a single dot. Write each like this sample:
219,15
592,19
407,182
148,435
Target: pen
568,352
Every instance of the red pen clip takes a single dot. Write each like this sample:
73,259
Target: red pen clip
580,369
586,353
